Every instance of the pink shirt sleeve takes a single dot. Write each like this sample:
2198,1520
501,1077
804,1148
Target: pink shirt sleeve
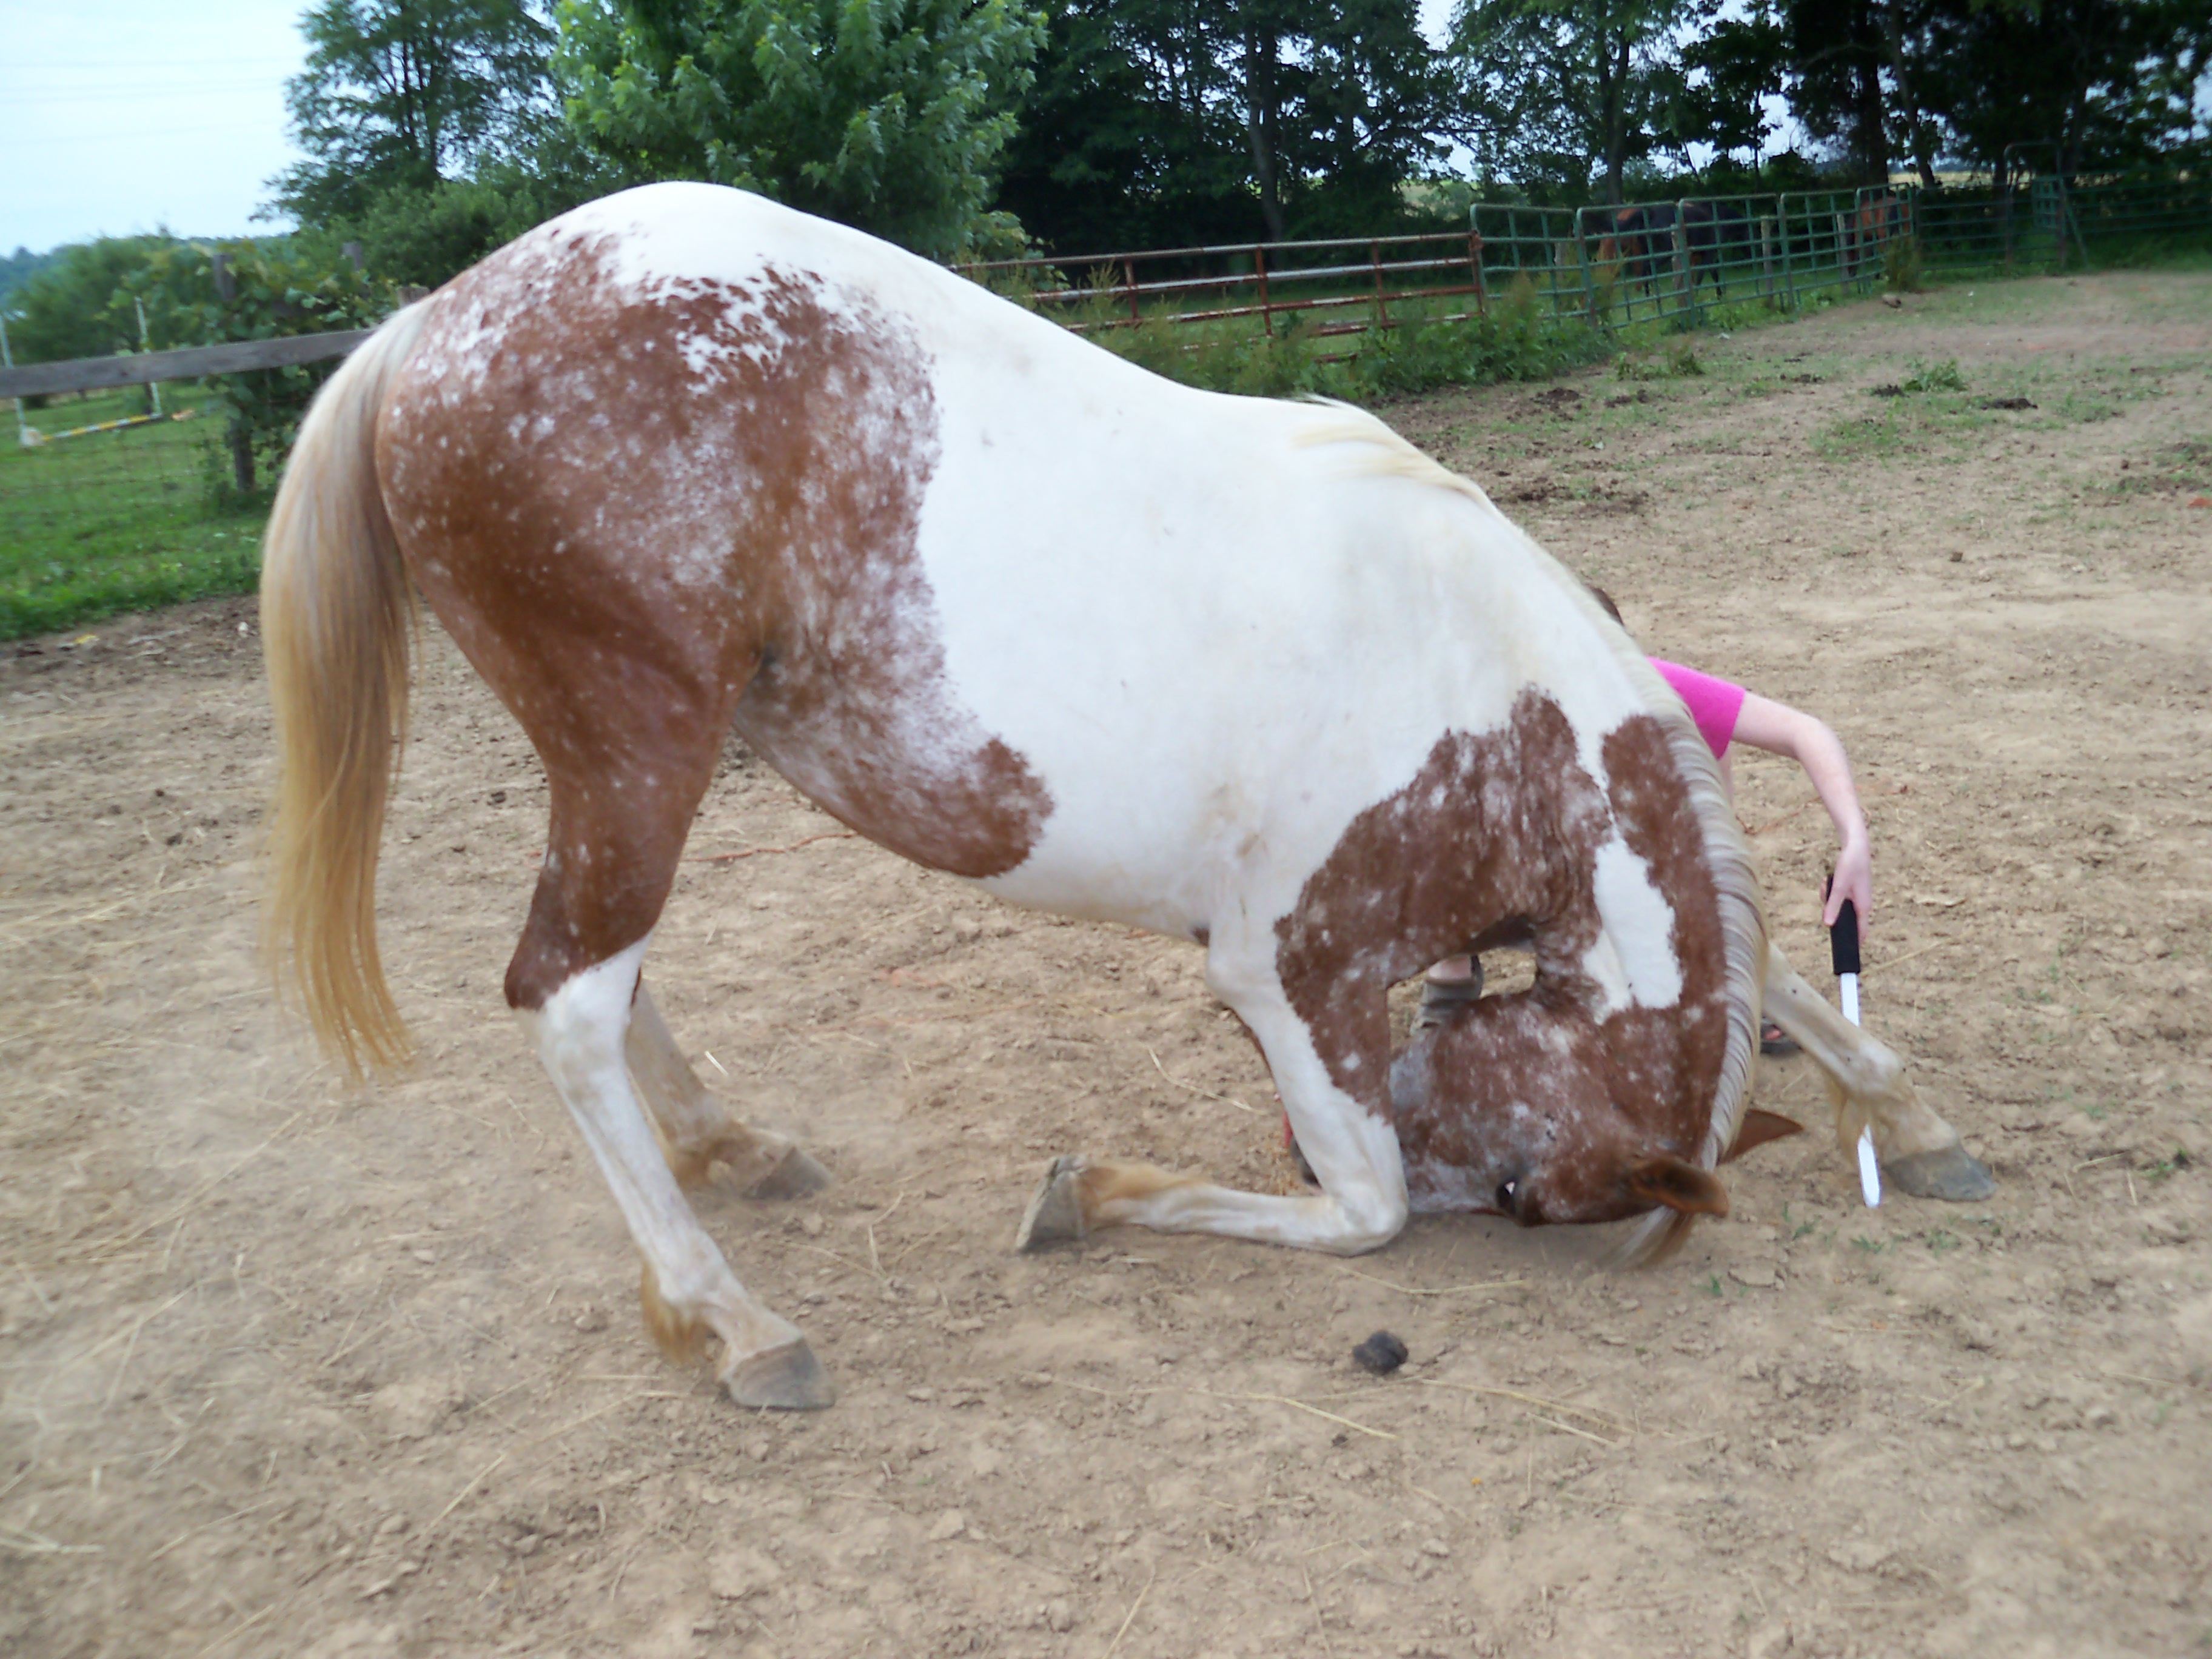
1714,704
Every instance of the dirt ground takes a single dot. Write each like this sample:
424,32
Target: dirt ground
288,1367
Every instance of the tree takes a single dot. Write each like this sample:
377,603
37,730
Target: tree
277,288
1130,137
1730,67
407,93
890,116
2112,81
2108,82
1339,127
425,237
1838,50
1560,93
1162,122
18,267
67,309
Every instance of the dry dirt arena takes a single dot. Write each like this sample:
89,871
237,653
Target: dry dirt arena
294,1368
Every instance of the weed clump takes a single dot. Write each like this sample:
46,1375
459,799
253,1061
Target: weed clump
1680,362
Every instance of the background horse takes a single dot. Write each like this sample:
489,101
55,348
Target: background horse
1717,235
1869,228
1256,674
1642,241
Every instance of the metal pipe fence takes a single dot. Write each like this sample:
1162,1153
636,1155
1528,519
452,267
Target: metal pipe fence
1673,261
1667,262
1320,288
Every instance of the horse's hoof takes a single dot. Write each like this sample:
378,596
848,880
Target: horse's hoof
1055,1214
1949,1173
784,1379
797,1176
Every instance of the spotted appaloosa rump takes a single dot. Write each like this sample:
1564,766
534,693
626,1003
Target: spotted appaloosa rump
683,462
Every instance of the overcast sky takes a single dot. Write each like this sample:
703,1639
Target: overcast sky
121,116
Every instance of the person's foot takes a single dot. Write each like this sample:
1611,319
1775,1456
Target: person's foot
1443,998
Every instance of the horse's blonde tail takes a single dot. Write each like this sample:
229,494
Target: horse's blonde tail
338,615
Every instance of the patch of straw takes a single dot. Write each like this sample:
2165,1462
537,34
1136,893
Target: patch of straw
1207,1094
1418,1289
110,1246
1300,1405
756,852
195,1532
1150,1575
1603,1420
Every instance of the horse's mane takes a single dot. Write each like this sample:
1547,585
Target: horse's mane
1743,923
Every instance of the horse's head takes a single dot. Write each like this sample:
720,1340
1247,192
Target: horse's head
1490,1120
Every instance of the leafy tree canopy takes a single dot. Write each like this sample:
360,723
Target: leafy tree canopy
69,308
890,115
1565,95
1165,122
425,237
406,93
18,267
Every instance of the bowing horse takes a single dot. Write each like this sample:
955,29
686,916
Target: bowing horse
1255,674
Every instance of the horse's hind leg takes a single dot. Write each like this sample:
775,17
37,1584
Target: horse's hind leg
625,791
1920,1153
696,1130
687,1289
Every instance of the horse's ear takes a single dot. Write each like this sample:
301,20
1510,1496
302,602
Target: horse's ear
1679,1186
1757,1129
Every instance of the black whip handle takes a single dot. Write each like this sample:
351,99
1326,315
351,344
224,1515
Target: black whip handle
1843,940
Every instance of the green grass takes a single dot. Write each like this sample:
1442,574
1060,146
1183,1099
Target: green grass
108,522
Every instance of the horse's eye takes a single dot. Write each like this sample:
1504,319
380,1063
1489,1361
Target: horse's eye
1506,1190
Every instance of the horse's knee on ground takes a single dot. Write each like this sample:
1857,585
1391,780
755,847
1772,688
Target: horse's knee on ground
1371,1219
1873,1070
1902,1125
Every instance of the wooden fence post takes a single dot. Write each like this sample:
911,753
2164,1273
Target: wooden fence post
239,438
1685,272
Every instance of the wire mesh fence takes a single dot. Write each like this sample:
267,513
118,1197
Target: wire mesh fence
107,504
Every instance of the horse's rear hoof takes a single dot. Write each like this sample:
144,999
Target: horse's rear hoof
1949,1173
798,1176
787,1379
1055,1214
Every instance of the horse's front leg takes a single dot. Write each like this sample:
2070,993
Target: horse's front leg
1346,1138
1868,1086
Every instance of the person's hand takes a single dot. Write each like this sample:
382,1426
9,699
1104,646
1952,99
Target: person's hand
1853,880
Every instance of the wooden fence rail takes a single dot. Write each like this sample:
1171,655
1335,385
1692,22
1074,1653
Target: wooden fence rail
144,367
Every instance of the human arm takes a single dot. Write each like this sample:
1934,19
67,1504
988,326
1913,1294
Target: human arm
1781,730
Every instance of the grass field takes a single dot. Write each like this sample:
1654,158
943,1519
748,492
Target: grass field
106,522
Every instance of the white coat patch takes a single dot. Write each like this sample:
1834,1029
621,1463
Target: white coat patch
1634,958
